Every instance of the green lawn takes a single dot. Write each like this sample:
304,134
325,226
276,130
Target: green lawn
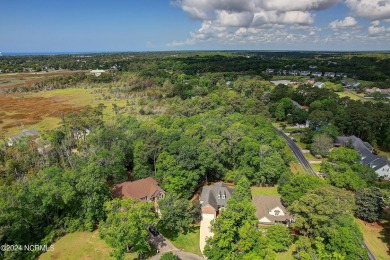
351,96
83,246
188,242
376,238
380,152
288,255
316,166
272,191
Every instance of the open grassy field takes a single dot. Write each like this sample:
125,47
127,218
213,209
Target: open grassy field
272,191
82,246
13,80
377,237
43,110
296,168
188,242
351,96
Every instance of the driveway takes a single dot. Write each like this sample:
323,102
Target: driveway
205,231
164,245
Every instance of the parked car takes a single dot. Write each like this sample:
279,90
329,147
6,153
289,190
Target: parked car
154,231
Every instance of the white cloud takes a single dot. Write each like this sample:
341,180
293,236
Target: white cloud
375,29
282,21
346,23
371,9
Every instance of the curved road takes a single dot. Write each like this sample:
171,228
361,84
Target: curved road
309,170
298,153
163,245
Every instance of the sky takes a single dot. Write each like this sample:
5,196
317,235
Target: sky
162,25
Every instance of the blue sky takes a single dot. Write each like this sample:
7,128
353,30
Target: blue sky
149,25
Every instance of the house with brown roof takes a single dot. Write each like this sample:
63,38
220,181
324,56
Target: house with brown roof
146,190
270,210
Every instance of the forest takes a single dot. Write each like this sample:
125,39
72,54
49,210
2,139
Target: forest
201,117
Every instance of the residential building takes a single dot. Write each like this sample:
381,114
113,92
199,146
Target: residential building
214,198
304,73
270,210
270,71
13,139
97,72
319,85
293,72
330,74
373,90
284,82
145,190
380,164
316,74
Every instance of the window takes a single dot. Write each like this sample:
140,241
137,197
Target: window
223,196
144,198
219,196
276,212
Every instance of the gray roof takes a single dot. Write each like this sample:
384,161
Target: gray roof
365,150
210,196
24,133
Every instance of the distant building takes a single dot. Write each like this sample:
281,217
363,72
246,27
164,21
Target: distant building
304,73
380,164
319,85
316,74
283,82
293,72
13,139
97,73
270,71
330,74
348,84
270,210
341,75
373,90
312,67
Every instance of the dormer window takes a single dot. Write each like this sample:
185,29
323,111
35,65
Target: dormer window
223,196
219,196
277,212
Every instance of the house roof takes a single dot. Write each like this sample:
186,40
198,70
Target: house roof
24,133
210,194
98,71
358,144
137,189
264,204
317,84
365,151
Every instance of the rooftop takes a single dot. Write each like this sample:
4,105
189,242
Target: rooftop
137,189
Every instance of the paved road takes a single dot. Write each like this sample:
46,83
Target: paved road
298,154
309,170
164,245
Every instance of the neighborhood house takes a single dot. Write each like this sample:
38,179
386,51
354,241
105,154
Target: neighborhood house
97,73
146,190
214,198
24,133
269,210
380,164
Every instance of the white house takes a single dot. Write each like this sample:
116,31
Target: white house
97,73
319,85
